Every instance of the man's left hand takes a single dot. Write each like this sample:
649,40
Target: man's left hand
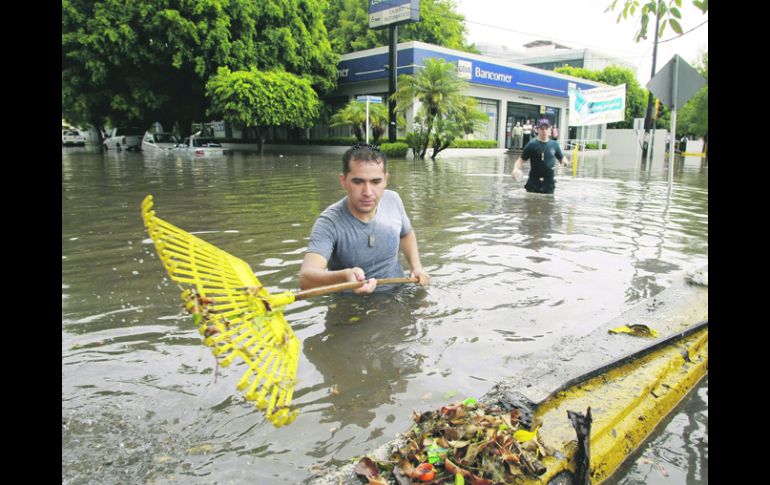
424,279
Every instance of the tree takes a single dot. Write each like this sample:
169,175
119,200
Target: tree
354,115
667,11
348,24
147,60
437,88
259,99
636,97
461,119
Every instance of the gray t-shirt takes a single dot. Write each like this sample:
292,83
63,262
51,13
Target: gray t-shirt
344,240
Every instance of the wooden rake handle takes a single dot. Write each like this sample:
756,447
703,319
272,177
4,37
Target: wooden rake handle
325,290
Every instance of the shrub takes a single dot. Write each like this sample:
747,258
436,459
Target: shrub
395,150
473,144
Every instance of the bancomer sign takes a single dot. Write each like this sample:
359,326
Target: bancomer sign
472,70
387,12
479,72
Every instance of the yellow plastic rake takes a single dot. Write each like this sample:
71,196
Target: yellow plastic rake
236,315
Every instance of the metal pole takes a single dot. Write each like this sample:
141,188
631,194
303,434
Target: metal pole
648,115
392,85
367,120
673,124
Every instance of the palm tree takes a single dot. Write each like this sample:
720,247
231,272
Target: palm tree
354,115
436,87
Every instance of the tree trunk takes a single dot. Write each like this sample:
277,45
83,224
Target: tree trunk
100,128
260,139
427,138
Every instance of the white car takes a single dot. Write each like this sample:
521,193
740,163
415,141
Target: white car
158,141
73,138
199,146
124,139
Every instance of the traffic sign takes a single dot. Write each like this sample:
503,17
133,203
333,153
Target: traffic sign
676,83
371,99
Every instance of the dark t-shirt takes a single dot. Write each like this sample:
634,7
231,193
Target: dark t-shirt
542,156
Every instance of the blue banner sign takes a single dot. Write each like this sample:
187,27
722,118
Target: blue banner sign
597,106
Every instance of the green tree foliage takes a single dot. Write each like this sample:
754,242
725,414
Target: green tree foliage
260,99
348,24
667,10
148,60
462,119
354,115
636,96
438,90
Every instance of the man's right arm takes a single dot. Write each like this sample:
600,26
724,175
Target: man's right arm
517,173
314,273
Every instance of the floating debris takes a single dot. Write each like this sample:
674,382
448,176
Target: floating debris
637,330
466,442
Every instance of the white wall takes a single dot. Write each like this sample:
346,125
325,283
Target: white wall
624,142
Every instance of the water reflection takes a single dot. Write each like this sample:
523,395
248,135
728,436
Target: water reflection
541,218
365,357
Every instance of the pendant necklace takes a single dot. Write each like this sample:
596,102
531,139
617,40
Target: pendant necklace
371,233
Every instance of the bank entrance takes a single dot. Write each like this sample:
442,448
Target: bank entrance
520,112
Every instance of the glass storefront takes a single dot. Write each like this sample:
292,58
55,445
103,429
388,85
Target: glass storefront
490,108
520,112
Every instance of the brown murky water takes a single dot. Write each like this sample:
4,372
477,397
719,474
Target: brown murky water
512,273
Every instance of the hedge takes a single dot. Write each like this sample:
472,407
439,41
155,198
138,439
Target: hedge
473,144
395,150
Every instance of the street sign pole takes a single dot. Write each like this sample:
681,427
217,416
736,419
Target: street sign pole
368,99
674,85
674,91
367,120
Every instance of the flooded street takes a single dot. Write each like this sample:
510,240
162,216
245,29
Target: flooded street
511,275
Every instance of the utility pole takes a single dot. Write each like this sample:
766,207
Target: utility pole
393,71
648,121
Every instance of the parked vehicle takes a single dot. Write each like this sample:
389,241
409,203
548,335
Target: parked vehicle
124,139
158,141
73,138
199,145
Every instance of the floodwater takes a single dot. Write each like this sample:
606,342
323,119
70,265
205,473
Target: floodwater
511,274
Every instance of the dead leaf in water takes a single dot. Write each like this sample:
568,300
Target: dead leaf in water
637,330
203,449
367,468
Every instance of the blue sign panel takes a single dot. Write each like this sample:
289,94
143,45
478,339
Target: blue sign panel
371,99
373,67
387,12
472,70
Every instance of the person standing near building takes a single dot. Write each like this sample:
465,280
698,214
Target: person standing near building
542,155
518,136
527,132
555,133
359,236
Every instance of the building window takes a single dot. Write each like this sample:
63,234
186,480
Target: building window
491,109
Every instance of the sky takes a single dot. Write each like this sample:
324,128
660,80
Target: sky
581,24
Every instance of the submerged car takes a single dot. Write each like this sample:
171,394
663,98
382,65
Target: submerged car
199,145
158,141
73,138
124,139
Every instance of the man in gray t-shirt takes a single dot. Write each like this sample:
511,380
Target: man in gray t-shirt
359,236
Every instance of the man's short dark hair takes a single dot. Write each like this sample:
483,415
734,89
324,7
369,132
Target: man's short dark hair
363,152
